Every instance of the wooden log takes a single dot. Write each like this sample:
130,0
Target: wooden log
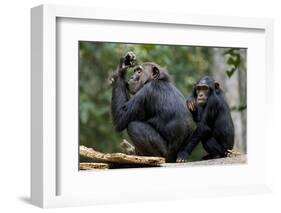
89,166
120,158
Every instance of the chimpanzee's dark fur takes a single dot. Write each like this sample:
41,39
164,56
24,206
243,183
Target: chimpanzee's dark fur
215,127
156,117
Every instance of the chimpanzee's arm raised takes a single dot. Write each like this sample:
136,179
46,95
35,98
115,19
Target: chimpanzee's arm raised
120,97
124,109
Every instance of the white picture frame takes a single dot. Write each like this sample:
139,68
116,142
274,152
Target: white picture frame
49,167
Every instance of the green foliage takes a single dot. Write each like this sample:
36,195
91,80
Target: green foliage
98,60
234,60
235,63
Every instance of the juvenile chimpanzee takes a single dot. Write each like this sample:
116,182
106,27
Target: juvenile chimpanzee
215,127
155,116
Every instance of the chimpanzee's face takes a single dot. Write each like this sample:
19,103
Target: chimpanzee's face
137,80
142,74
202,91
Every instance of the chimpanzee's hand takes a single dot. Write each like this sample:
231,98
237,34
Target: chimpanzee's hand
191,104
128,60
182,157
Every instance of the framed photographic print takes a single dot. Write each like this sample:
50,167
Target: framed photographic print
129,106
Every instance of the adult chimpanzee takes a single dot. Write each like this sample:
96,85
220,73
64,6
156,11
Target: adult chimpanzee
215,127
155,116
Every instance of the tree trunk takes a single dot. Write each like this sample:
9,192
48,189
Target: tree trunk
234,89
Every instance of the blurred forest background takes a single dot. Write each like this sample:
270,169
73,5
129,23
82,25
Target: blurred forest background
186,64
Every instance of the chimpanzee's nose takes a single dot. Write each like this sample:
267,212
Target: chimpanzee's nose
200,95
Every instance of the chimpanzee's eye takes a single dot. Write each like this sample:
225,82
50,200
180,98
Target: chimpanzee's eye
138,69
204,87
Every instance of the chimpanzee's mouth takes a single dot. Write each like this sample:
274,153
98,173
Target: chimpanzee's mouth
131,87
201,99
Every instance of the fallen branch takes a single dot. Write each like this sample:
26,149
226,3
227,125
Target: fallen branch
89,166
120,158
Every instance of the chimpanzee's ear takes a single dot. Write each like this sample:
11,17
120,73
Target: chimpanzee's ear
155,73
217,85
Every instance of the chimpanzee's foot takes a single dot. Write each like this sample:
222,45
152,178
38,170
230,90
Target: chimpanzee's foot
182,157
231,153
127,148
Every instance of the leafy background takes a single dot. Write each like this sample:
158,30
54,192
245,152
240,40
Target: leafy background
186,64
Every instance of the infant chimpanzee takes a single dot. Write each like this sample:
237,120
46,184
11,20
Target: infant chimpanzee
215,127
